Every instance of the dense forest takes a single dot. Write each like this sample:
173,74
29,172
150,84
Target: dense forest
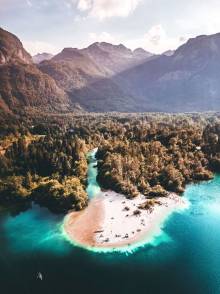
44,158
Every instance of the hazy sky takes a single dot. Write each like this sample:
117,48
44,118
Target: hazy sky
156,25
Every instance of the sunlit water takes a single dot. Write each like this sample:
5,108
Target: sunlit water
187,261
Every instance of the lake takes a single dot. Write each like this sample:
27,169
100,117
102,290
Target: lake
186,258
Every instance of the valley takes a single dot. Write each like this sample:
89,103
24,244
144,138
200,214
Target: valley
109,147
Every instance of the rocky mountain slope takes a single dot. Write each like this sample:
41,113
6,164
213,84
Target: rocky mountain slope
22,83
185,81
11,49
189,80
87,75
105,77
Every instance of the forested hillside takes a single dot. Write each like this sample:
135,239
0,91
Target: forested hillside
44,159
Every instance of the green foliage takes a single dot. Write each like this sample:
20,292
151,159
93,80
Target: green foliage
12,189
51,169
61,196
43,158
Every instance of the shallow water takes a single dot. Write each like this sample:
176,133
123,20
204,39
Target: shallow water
184,259
93,187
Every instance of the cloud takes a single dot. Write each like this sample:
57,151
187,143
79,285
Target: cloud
29,3
204,20
8,4
34,47
103,9
84,5
156,40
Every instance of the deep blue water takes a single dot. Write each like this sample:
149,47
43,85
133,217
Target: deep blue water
187,262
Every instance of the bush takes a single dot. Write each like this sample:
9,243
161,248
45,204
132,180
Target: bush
61,196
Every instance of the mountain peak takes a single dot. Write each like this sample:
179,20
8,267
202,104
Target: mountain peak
38,58
110,48
107,77
141,53
198,49
11,49
68,53
22,84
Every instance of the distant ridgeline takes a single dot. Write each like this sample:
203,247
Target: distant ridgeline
105,77
43,159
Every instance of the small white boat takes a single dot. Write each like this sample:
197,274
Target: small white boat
39,276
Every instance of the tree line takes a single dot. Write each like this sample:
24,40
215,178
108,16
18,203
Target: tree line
44,158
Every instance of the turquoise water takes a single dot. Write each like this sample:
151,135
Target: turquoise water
93,187
187,262
35,229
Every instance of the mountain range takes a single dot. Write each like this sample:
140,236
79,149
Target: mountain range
105,77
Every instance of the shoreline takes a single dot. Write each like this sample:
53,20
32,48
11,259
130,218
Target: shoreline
109,222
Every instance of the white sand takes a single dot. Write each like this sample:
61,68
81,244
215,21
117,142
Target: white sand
117,226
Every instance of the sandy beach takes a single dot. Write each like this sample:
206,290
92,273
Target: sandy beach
110,220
